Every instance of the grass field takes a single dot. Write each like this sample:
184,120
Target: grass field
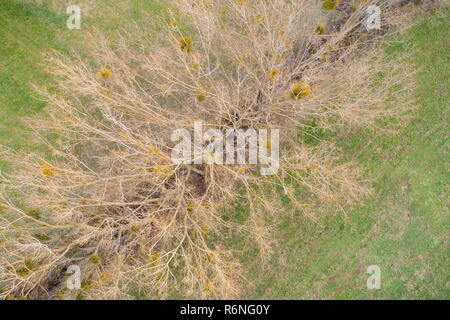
27,31
403,228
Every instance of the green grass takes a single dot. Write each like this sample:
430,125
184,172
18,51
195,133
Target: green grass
26,32
404,227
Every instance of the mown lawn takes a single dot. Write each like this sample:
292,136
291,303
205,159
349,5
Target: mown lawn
404,228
